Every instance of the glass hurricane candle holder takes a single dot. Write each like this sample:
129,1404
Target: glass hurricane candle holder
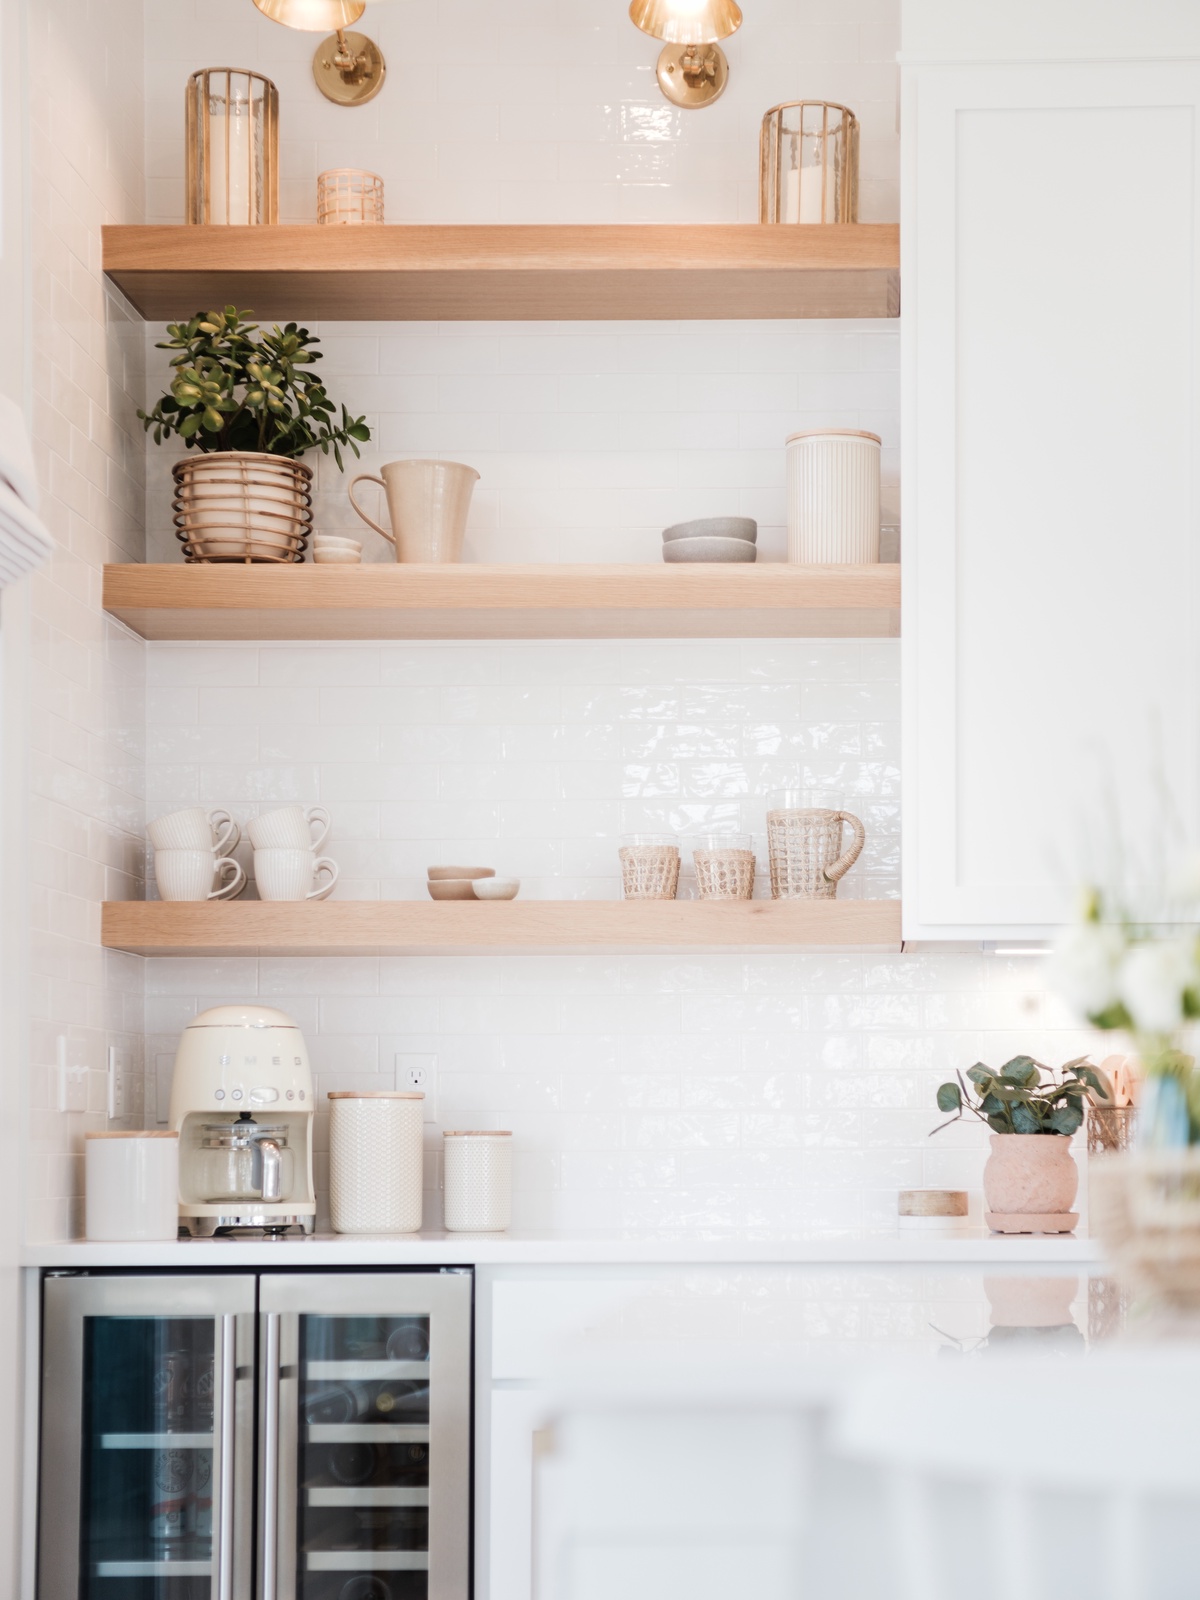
808,163
349,197
232,147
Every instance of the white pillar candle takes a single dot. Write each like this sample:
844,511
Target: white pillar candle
231,150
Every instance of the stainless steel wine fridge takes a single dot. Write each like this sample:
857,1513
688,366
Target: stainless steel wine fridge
220,1436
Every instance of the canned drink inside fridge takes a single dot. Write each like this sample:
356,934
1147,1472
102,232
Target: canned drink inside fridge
172,1474
173,1391
201,1513
203,1386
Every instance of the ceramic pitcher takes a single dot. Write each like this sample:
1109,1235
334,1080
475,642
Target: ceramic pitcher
427,505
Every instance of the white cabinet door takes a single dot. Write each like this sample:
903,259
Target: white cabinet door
1050,282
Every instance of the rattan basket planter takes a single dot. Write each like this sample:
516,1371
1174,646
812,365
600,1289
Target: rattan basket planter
242,506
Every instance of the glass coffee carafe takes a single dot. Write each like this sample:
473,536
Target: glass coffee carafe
244,1160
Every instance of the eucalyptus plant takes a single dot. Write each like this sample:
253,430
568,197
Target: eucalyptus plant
1024,1096
237,387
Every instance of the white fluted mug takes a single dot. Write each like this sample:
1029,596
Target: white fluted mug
194,828
190,875
290,828
293,875
477,1181
376,1160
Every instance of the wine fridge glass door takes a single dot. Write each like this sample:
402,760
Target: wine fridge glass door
140,1476
368,1398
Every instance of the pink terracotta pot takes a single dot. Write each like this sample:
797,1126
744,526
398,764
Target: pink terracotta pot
1030,1173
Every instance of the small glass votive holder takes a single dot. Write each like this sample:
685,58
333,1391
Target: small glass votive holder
349,197
1110,1129
724,864
649,866
808,163
477,1181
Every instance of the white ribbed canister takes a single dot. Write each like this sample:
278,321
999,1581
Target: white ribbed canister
477,1180
833,497
375,1161
131,1185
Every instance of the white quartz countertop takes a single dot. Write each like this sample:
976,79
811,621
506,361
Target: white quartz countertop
582,1249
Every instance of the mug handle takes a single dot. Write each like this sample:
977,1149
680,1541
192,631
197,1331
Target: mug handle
323,864
230,833
318,814
236,884
838,869
369,477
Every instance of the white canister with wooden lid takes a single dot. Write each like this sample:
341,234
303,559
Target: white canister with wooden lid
375,1161
833,497
477,1181
131,1185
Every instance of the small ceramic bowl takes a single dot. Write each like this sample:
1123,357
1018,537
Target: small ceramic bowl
335,541
697,550
452,889
443,874
497,888
337,558
713,528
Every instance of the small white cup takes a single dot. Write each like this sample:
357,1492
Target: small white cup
132,1185
289,828
290,874
188,875
195,829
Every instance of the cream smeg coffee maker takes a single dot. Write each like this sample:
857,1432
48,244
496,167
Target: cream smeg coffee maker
242,1104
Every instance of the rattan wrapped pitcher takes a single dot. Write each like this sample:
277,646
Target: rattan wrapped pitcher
804,846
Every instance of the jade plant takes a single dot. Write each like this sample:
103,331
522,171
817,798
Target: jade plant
1025,1096
238,387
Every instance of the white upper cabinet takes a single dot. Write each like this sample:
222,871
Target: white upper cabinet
1050,282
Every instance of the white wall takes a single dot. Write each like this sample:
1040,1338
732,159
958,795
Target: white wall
697,1090
85,689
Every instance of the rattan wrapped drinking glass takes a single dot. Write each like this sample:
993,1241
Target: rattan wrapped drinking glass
724,866
804,847
649,867
349,197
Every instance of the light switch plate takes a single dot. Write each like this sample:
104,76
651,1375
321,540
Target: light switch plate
118,1081
420,1073
72,1080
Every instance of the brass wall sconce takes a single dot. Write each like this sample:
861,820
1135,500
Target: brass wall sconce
692,69
349,68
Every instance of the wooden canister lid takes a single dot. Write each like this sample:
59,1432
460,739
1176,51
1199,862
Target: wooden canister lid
933,1202
376,1094
133,1133
834,433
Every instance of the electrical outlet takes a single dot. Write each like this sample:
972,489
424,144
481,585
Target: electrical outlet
420,1073
72,1081
118,1079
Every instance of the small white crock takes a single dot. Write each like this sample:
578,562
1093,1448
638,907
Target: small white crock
132,1185
375,1160
477,1181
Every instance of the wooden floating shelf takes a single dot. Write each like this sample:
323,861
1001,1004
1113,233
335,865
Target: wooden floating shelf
526,274
771,601
427,927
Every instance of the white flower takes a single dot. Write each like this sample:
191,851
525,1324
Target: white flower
1152,981
1084,966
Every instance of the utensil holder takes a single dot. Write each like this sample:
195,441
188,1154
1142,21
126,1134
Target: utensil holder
375,1161
477,1181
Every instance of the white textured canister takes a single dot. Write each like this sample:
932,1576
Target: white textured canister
833,497
375,1161
131,1185
477,1180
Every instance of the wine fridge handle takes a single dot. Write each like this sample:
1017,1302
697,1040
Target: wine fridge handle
270,1524
227,1423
